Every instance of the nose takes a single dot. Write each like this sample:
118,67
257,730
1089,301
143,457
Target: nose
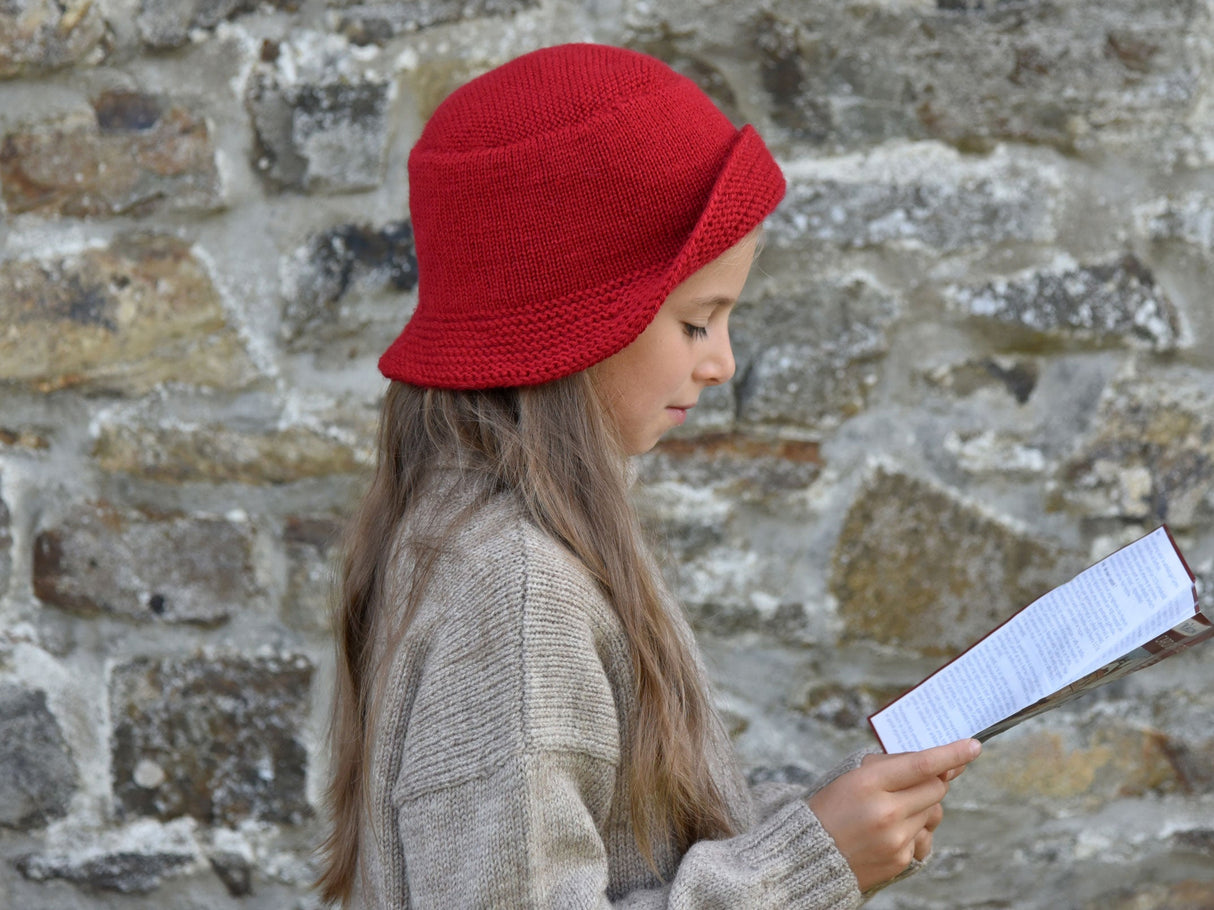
717,365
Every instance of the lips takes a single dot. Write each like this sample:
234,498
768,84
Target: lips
679,412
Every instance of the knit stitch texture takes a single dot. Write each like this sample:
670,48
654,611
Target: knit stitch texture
556,201
497,775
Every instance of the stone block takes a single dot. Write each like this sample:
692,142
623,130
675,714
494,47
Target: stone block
1072,76
168,23
38,36
811,360
1190,894
915,566
219,739
744,468
125,317
131,154
378,22
331,283
130,565
1114,302
37,773
1085,768
1188,218
133,860
925,197
312,546
1017,376
218,453
6,541
1149,454
842,706
321,123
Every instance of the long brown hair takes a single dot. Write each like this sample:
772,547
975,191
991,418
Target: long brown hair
552,446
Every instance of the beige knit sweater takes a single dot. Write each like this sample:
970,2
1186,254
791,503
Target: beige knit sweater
496,774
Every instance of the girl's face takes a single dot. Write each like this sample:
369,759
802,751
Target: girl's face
649,387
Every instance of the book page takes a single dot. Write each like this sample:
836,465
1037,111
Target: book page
1131,596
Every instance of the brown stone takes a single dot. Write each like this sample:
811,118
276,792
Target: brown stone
1113,761
746,466
218,739
917,567
24,438
41,35
131,155
1150,455
1186,895
216,453
843,706
174,569
123,318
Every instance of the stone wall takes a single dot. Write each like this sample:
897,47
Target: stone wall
977,354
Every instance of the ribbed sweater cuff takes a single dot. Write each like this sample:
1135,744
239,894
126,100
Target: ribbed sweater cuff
817,876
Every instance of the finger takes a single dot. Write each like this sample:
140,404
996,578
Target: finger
918,801
908,769
923,845
935,815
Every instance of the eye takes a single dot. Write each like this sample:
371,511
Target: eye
695,332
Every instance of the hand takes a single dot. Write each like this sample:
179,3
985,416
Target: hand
882,814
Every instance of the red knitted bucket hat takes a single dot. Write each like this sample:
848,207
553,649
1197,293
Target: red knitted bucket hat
556,201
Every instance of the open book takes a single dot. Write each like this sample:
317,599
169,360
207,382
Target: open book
1132,609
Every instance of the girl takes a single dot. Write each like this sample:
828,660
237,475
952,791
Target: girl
521,717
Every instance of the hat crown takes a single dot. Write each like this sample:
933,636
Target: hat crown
540,93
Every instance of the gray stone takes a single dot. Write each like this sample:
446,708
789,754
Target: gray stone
923,198
218,739
810,361
327,279
6,541
1070,75
377,22
311,546
171,569
37,773
321,125
125,873
1116,301
225,454
1018,376
168,23
1187,219
235,871
37,36
132,860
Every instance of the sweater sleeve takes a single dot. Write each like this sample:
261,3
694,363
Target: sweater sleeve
508,792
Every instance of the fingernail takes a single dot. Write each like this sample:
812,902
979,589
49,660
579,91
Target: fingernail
975,748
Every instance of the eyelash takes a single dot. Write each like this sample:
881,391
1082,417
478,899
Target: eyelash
695,332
